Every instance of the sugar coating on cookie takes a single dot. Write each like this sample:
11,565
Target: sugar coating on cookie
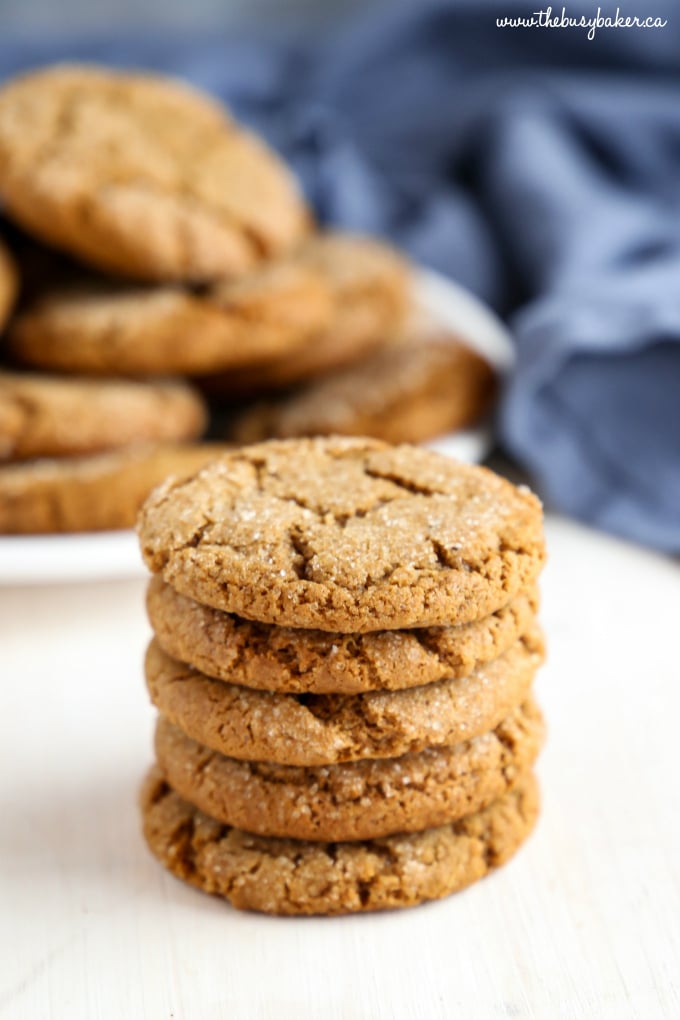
324,729
293,877
143,175
357,799
44,416
345,535
292,660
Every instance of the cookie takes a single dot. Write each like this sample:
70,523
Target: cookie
8,285
353,800
98,493
96,327
49,416
297,661
345,535
407,393
142,175
322,729
371,287
279,876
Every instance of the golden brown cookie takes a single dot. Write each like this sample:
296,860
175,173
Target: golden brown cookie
98,493
45,416
406,393
8,285
142,175
345,535
371,286
353,800
296,661
322,729
97,327
279,876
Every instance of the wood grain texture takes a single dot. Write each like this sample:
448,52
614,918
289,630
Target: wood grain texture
584,923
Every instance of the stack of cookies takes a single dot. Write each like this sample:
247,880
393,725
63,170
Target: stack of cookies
154,237
345,644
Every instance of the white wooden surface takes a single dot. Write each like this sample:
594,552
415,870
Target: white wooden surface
585,922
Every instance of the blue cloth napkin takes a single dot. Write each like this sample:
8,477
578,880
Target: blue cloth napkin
538,167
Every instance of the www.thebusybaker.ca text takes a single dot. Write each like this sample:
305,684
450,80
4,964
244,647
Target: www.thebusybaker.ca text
546,19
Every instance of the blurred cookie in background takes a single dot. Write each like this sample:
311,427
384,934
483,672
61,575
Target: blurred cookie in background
98,326
96,493
425,385
9,284
370,284
142,175
45,416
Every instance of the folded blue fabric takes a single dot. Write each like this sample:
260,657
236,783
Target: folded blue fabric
540,168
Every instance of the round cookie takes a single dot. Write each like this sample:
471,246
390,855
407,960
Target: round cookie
371,286
142,175
98,493
353,800
345,535
97,327
46,416
322,729
292,877
410,392
8,284
296,661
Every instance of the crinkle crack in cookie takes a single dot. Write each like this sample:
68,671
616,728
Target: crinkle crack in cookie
102,492
95,327
353,800
142,175
279,876
45,416
8,285
298,661
345,535
323,729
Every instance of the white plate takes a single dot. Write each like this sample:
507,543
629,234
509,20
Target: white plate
103,556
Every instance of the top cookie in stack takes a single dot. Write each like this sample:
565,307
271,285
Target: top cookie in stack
344,653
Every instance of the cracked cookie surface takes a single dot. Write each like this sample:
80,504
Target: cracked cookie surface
142,175
324,729
296,661
97,327
345,535
353,800
278,876
45,416
102,492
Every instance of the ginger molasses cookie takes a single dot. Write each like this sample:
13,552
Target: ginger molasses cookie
142,175
97,327
353,800
409,392
8,285
97,493
321,729
44,416
296,661
370,285
345,535
280,876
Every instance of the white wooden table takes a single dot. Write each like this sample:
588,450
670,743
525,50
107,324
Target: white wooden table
585,922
